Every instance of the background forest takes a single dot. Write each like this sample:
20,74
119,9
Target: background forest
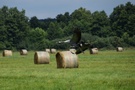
17,31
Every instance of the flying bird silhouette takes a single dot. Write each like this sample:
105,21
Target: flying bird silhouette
76,38
82,47
76,43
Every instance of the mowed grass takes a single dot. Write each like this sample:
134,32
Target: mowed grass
107,70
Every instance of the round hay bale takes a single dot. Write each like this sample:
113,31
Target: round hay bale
66,59
94,51
23,52
53,50
41,57
48,50
7,53
119,49
72,50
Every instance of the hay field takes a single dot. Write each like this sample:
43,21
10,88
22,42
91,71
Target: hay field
107,70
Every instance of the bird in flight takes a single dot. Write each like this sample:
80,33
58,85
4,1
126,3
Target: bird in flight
76,43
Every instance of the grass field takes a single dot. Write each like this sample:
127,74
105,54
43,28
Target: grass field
107,70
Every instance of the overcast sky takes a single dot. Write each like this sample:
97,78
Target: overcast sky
51,8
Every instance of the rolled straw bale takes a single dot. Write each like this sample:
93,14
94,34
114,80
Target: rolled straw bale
72,50
23,52
66,59
47,50
41,57
94,51
119,49
53,50
7,53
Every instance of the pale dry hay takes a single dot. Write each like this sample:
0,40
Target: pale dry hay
72,50
94,51
66,59
41,57
53,50
47,50
23,52
7,53
119,49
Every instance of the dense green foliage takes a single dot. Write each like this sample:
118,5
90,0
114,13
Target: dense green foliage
14,27
18,31
108,70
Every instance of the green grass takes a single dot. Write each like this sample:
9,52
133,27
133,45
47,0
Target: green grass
107,70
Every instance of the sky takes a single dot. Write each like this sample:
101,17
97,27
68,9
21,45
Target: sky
51,8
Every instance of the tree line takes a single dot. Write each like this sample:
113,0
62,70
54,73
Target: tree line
107,32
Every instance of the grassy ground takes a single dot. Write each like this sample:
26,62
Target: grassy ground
107,70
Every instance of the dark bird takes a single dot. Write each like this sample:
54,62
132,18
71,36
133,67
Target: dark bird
82,47
76,37
76,43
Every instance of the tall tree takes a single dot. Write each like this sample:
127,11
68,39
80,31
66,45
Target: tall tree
34,22
122,18
100,24
37,38
3,30
54,31
63,18
15,26
83,18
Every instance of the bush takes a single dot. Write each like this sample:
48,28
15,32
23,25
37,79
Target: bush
132,41
2,46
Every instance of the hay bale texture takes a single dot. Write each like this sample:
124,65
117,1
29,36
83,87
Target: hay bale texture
119,49
23,52
94,51
7,53
66,59
72,50
41,57
53,51
48,50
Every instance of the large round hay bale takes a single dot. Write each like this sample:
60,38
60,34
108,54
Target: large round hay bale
119,49
53,50
48,50
66,59
7,53
41,57
94,51
23,52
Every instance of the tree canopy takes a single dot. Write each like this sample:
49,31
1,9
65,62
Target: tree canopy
18,31
13,27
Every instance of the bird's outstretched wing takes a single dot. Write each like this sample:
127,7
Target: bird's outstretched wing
76,37
66,41
82,48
